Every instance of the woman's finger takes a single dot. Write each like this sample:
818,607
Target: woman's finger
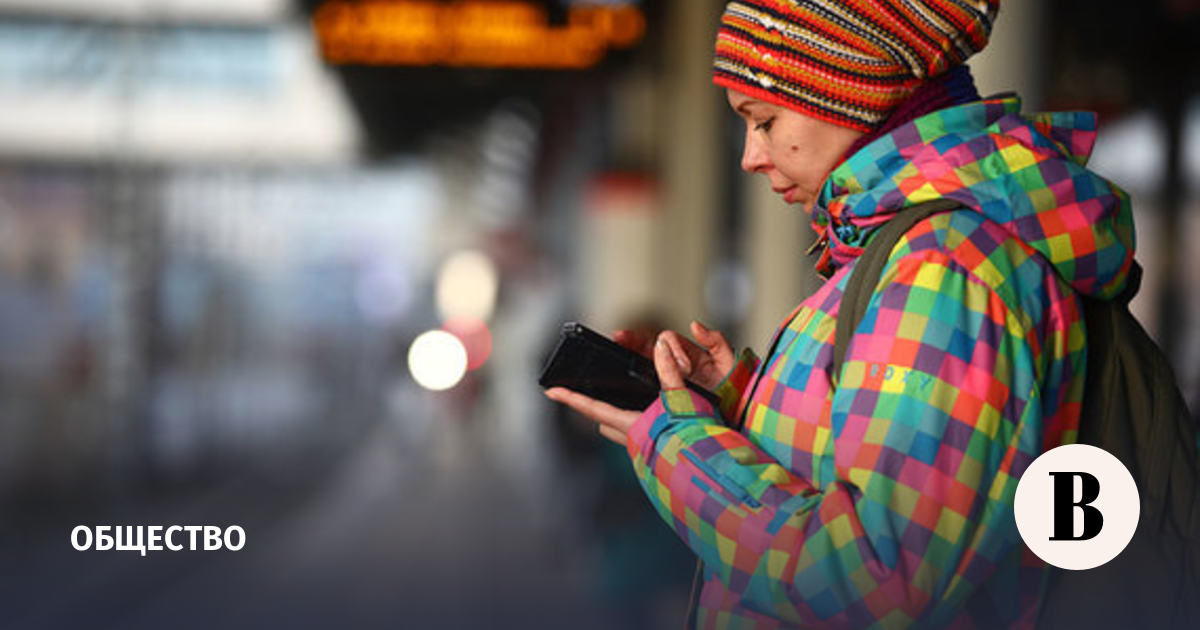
664,363
715,342
598,411
638,341
675,343
613,434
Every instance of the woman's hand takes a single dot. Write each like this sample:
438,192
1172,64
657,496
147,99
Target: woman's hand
614,422
705,364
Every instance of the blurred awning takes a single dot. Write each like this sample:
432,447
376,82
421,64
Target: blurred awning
158,11
96,90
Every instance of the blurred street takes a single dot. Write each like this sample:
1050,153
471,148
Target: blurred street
370,540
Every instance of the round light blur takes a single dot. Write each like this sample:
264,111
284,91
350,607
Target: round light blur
466,286
437,360
475,337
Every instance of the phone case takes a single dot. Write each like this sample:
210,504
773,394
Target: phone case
596,366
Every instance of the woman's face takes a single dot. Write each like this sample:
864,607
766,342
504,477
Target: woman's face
795,152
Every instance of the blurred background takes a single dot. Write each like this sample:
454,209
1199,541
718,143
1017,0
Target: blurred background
295,266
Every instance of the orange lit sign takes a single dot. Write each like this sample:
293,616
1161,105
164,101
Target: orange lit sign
478,33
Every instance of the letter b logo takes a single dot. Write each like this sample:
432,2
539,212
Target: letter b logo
1077,507
1064,506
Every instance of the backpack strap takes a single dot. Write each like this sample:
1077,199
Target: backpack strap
1133,283
869,268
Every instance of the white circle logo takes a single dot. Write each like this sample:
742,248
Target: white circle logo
1077,506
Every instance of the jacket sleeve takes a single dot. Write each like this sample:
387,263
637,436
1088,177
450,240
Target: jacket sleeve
732,389
937,412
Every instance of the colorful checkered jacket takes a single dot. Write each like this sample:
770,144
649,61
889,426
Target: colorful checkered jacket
887,502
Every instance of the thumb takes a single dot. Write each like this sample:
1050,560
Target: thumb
664,363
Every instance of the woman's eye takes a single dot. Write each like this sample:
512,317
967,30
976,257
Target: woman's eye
764,125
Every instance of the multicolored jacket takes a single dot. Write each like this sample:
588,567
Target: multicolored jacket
887,502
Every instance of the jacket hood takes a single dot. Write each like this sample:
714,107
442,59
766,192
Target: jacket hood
1026,173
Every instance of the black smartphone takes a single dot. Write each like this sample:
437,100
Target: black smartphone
596,366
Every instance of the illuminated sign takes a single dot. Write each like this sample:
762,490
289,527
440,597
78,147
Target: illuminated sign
472,33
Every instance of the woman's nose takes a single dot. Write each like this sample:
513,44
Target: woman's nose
754,158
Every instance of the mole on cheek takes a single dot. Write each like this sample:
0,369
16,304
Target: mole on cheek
795,148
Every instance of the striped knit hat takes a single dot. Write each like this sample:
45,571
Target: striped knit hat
849,62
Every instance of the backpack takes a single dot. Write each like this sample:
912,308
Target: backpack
1133,409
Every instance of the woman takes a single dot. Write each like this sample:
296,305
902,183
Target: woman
885,501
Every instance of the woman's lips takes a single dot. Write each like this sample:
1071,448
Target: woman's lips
787,193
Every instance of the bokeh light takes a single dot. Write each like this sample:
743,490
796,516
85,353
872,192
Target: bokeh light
466,286
475,337
437,360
